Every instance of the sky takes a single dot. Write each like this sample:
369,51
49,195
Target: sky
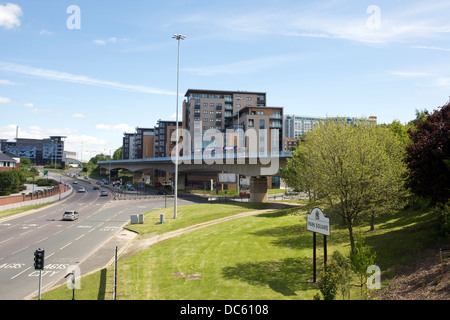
92,70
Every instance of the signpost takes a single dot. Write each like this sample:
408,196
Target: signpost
316,222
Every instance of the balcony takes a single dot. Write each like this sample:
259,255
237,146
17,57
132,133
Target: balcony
218,114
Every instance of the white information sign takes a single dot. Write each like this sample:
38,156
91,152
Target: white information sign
317,222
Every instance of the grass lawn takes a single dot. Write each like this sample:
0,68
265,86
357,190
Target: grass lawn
10,212
267,256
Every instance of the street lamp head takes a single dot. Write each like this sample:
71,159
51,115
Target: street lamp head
178,37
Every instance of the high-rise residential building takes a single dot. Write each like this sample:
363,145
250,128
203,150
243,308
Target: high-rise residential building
138,145
217,109
129,146
163,144
39,151
228,111
297,125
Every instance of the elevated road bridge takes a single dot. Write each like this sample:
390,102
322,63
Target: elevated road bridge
258,167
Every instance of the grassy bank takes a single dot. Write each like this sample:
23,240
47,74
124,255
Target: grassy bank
267,256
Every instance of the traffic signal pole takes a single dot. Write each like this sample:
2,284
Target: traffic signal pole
40,279
39,265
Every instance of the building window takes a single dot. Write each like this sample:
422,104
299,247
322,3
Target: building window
251,123
249,98
261,124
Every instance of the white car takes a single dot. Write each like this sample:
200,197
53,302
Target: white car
104,193
70,215
75,182
82,189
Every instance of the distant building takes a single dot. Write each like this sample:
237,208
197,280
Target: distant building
295,126
39,151
8,162
289,143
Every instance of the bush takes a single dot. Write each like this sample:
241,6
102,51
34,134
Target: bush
443,213
328,283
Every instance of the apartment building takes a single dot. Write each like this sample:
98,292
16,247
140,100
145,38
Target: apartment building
138,145
297,125
39,151
260,119
228,111
215,109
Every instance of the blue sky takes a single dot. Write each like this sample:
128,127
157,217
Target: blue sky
118,70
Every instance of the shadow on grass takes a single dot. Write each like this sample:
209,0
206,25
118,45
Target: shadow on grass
102,285
286,276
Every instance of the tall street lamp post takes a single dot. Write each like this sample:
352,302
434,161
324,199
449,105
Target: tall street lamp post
178,37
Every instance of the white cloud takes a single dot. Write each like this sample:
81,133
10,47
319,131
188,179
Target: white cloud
45,32
119,127
4,100
7,82
78,115
102,42
29,105
10,15
80,79
430,48
396,24
242,67
411,74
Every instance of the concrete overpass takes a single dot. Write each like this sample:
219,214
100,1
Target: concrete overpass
257,166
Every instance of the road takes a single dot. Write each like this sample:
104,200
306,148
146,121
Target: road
66,243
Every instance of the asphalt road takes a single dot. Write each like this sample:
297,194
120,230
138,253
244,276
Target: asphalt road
66,243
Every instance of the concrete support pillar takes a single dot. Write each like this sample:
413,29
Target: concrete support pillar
181,181
258,189
138,176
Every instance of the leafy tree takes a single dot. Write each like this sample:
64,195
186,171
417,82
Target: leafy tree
355,168
344,274
118,154
428,157
360,259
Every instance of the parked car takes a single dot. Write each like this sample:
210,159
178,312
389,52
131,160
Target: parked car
157,184
82,189
104,193
70,215
162,192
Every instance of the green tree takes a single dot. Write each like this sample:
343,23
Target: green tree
117,154
344,274
355,168
360,259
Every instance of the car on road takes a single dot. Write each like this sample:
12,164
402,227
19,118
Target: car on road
104,193
75,182
70,215
82,189
95,188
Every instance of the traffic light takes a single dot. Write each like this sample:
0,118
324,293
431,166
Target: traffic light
39,259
